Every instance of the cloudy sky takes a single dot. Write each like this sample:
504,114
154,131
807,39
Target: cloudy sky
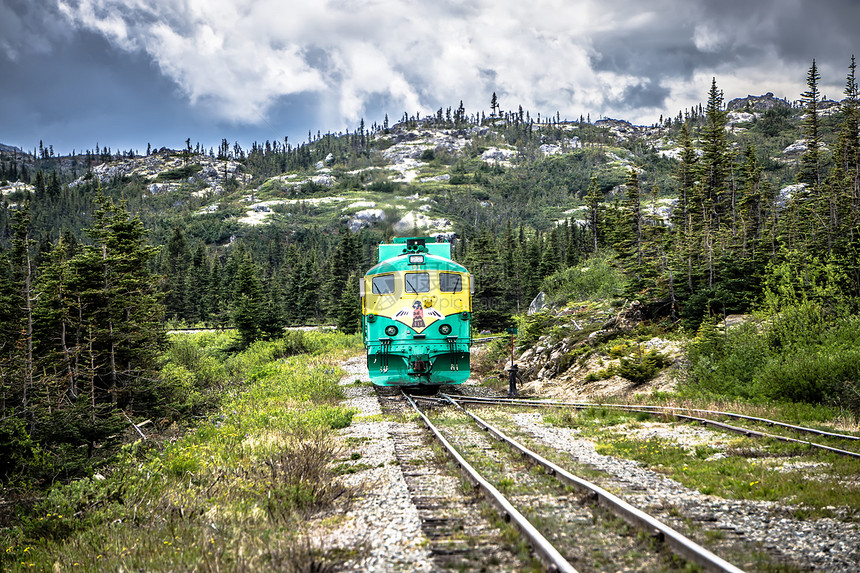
124,73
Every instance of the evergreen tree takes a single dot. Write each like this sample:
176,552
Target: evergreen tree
272,321
306,287
57,345
121,305
844,181
337,274
349,312
715,163
513,267
17,337
198,285
490,310
176,268
633,210
550,260
593,200
248,302
810,171
289,279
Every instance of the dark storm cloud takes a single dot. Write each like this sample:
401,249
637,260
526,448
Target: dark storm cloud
795,30
717,37
28,27
81,92
648,94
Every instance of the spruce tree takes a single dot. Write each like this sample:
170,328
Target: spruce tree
593,201
121,305
349,311
845,178
55,328
18,296
490,310
176,269
248,302
715,163
810,162
272,321
337,274
307,287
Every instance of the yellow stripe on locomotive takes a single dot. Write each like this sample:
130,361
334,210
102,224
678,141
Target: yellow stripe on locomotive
416,315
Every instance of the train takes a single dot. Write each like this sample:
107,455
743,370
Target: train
416,314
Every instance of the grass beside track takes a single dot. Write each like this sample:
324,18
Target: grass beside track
812,482
230,493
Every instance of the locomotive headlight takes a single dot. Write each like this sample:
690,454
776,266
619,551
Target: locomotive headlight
444,329
391,330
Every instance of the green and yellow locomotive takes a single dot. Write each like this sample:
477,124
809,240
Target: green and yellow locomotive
416,307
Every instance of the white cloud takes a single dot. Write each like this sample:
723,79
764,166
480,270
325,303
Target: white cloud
708,39
240,57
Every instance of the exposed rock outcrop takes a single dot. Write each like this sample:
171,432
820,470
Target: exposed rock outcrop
211,173
757,103
581,355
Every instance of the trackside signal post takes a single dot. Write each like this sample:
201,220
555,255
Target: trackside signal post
513,371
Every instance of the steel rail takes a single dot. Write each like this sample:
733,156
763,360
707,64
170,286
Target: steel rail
734,415
674,412
552,559
681,544
680,408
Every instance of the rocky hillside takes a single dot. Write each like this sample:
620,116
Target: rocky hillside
431,178
591,350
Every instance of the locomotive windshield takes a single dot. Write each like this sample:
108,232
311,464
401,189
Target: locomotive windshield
383,284
450,282
417,282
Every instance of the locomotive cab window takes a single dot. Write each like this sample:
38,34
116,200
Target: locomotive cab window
417,282
450,282
383,284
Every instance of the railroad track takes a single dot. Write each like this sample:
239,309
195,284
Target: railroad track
687,414
567,506
460,536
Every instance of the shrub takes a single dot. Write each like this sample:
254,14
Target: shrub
602,374
596,278
180,173
384,186
619,350
803,355
531,327
17,449
641,371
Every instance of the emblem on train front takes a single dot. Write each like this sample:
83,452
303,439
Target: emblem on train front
417,316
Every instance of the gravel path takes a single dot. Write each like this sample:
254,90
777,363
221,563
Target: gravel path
382,525
816,544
